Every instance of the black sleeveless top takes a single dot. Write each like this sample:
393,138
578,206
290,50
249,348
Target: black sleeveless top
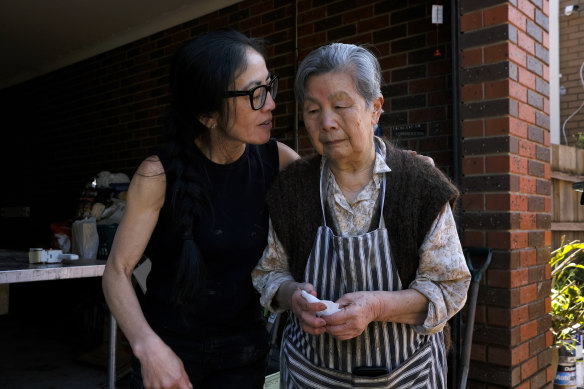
231,240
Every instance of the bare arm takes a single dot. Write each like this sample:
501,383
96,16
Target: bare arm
161,368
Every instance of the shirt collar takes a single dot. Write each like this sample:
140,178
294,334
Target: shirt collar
380,164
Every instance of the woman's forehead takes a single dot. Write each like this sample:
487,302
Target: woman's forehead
334,84
254,73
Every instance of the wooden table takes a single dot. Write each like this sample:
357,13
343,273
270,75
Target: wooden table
15,268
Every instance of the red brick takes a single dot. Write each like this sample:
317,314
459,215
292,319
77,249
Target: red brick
519,277
526,42
472,128
365,23
507,240
527,221
497,164
499,356
548,238
499,202
496,53
474,238
496,15
517,91
471,21
529,368
473,202
527,113
311,15
517,55
527,185
471,57
527,149
478,352
438,98
499,317
497,126
498,278
517,18
473,165
427,84
518,165
527,8
495,89
519,315
471,92
506,201
527,257
528,294
517,127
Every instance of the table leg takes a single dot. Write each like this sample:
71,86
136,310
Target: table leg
111,371
4,291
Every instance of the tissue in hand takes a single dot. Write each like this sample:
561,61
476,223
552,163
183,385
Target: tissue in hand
331,307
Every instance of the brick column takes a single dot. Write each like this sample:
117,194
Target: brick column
506,183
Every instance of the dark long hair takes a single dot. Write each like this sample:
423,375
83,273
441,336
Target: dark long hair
202,70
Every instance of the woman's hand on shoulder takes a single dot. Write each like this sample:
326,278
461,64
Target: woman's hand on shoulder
286,155
424,158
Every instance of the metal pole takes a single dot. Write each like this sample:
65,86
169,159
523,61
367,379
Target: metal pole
474,290
111,368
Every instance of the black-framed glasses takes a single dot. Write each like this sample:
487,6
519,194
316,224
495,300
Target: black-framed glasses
257,95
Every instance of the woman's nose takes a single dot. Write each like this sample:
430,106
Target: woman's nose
269,104
328,122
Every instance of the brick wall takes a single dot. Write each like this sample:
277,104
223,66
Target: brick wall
105,113
506,185
571,59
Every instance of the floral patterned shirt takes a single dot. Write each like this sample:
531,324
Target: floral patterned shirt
442,276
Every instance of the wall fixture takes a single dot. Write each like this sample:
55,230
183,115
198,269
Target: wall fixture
571,8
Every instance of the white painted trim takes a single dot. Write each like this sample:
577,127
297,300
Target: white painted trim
554,49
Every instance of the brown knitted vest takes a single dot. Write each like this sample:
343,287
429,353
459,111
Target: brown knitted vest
415,194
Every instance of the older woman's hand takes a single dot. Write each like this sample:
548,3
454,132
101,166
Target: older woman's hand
359,309
306,312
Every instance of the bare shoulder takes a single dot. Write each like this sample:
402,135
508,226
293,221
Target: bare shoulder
151,167
148,185
286,155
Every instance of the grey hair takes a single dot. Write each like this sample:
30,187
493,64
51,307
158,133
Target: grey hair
357,61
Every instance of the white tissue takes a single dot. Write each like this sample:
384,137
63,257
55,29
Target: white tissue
331,307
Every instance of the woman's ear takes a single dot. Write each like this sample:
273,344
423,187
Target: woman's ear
377,109
208,121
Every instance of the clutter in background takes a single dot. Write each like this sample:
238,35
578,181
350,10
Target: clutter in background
38,255
100,209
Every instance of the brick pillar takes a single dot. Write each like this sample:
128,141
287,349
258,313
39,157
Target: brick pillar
506,184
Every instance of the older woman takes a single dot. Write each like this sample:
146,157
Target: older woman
367,226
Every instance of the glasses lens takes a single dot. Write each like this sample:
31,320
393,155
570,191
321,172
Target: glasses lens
259,97
274,89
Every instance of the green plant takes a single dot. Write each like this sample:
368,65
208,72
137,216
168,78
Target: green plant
579,140
566,296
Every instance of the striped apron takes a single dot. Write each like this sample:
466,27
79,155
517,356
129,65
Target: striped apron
339,265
